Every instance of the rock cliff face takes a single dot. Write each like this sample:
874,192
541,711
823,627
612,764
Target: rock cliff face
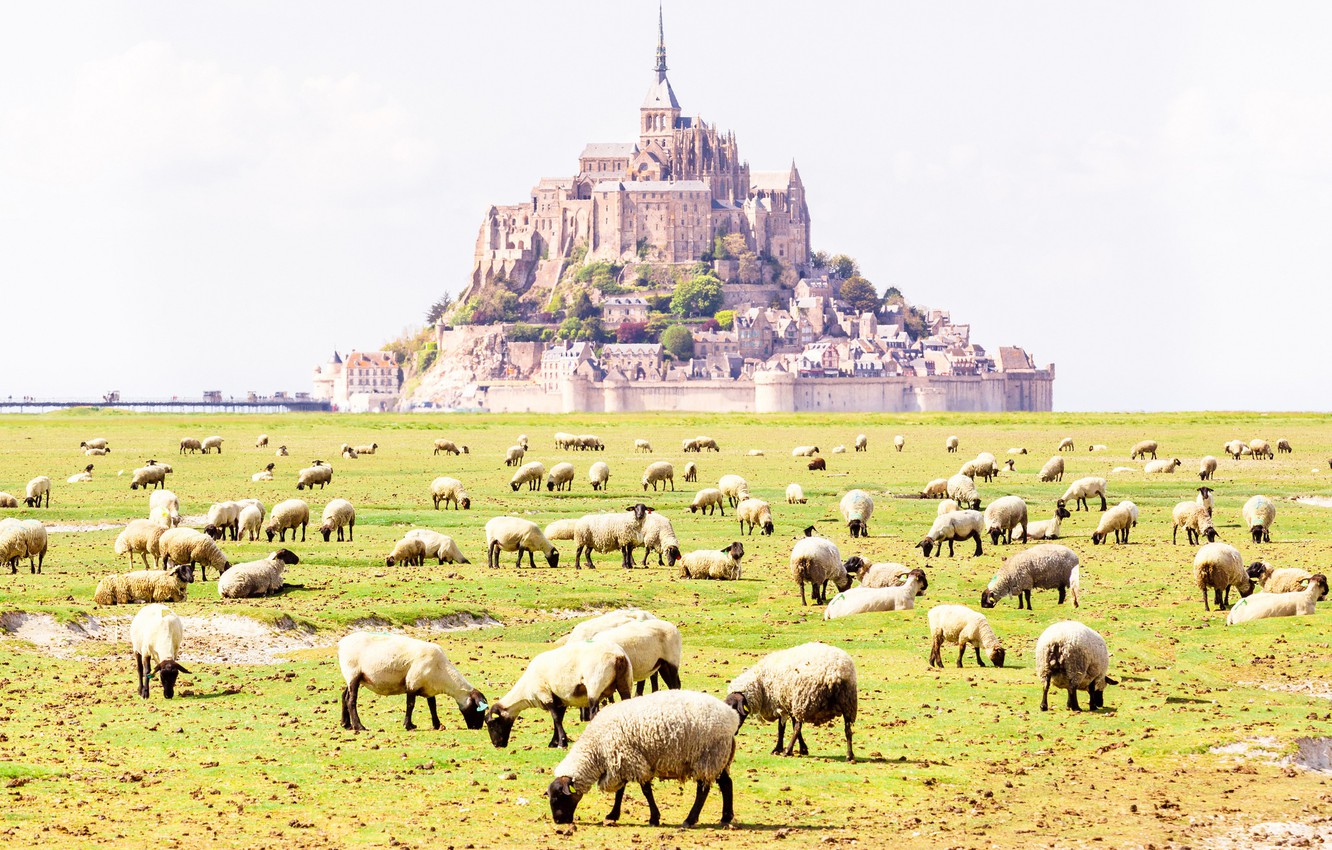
467,355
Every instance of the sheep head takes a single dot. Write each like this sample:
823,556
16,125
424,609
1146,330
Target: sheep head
474,709
857,528
286,556
466,502
1258,533
167,671
1061,510
1320,580
919,575
997,656
736,550
988,599
854,565
926,546
553,559
736,700
809,531
1098,537
640,511
499,724
564,799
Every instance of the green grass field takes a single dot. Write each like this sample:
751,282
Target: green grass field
251,755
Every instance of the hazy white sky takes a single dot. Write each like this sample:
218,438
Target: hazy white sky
214,196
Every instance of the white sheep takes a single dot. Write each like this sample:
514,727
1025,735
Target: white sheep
445,490
1207,468
1074,657
1045,566
530,474
565,441
1119,520
734,488
659,536
390,665
408,552
140,538
38,488
659,472
654,647
706,444
1049,529
947,506
1018,450
164,508
261,441
287,516
610,533
349,452
23,539
190,445
251,522
795,494
865,600
962,489
1236,448
899,442
691,472
514,534
681,735
641,445
590,628
886,574
1259,513
723,564
1080,490
951,527
1195,519
951,444
8,501
708,500
590,442
857,507
338,514
812,683
936,489
561,529
95,443
210,443
960,625
281,451
1290,604
1098,447
561,477
145,586
155,635
1157,467
514,456
441,547
754,512
581,674
816,561
1066,443
188,546
1284,580
1219,567
319,473
265,474
1002,516
225,517
862,443
1261,449
804,451
84,477
1053,469
1142,449
598,474
449,447
256,578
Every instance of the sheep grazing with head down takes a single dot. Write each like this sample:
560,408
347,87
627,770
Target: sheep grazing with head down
1219,567
865,600
515,534
37,489
408,552
1074,657
1295,603
953,526
708,500
857,507
734,488
1142,449
659,536
1259,513
1002,516
96,443
190,445
1195,519
598,475
155,635
680,735
1283,446
816,561
1261,449
862,443
8,501
795,494
560,477
754,513
1236,448
288,516
1066,443
251,522
22,539
514,456
1053,469
445,490
899,442
641,445
962,489
449,447
960,625
338,514
261,442
1079,491
317,473
691,472
654,647
812,683
531,474
661,472
441,547
1207,468
723,565
140,538
579,674
390,665
225,516
1046,566
1119,520
951,445
189,546
210,443
936,489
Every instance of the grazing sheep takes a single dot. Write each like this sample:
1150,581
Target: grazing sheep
962,489
1285,580
96,443
226,517
256,578
1002,516
816,561
804,451
408,552
530,474
1207,468
1046,566
1219,567
795,494
251,522
8,501
140,538
155,635
1049,529
659,536
449,447
818,464
610,533
661,471
581,674
862,443
706,444
561,529
1236,448
23,539
865,600
441,547
672,735
445,490
723,564
261,442
210,443
953,526
951,445
811,683
561,477
38,488
188,546
318,473
654,648
691,472
190,445
565,441
84,477
899,442
1261,449
1259,513
287,516
1053,469
1120,520
1142,449
144,586
338,514
514,456
960,625
1291,604
1155,467
514,534
1067,443
985,466
396,664
754,512
642,446
857,507
937,489
1195,519
1074,657
947,506
1283,446
734,488
265,474
1081,489
590,628
707,500
589,442
598,474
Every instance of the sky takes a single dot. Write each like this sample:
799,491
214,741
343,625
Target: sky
215,196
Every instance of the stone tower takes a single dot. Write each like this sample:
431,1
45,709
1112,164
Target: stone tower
660,112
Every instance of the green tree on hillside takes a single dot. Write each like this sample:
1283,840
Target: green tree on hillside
678,341
699,296
860,294
725,319
843,266
582,307
439,308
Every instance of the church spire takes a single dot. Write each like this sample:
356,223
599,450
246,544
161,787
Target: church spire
661,45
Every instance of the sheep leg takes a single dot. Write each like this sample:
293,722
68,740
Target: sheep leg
142,680
1097,698
802,593
950,547
492,554
1045,695
627,557
699,798
1102,502
353,691
976,534
411,704
781,735
1061,598
670,675
722,509
560,738
796,738
654,813
434,714
978,657
1206,607
850,753
614,814
293,532
346,716
1073,700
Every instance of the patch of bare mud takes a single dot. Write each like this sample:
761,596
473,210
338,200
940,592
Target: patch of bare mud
1307,687
1314,754
1266,836
1316,501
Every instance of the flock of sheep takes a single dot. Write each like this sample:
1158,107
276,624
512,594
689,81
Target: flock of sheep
672,733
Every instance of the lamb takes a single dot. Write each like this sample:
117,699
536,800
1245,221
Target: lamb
899,442
1155,467
530,474
691,472
723,564
144,586
598,474
811,683
951,445
210,443
1283,446
953,526
84,477
38,488
96,443
804,451
226,517
261,442
366,450
754,512
1291,604
23,539
338,514
1195,519
155,635
1142,449
795,494
960,625
1067,443
513,534
857,507
445,490
522,441
581,674
654,648
1046,566
441,547
609,533
190,445
1279,581
1207,468
1259,513
265,474
707,500
348,452
561,529
864,600
962,489
1120,520
641,445
1002,516
1081,489
164,508
734,488
937,489
140,538
1261,449
409,552
251,522
661,471
1218,566
451,448
659,536
287,516
396,664
561,477
672,735
818,464
1053,469
862,443
816,561
188,546
318,473
514,456
888,574
1048,529
256,578
1074,657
